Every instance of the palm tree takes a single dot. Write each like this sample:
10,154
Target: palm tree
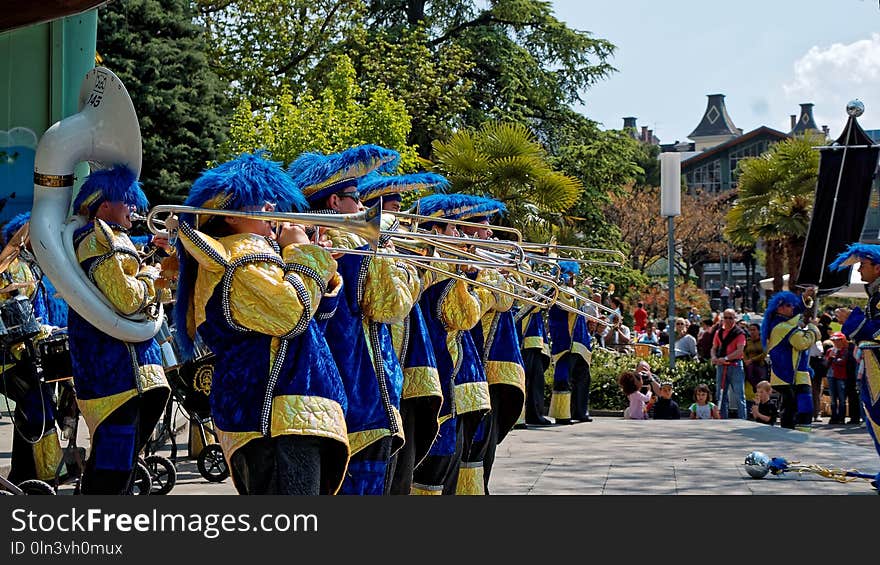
505,161
775,200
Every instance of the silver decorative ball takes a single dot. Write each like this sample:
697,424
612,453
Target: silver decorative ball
855,108
757,464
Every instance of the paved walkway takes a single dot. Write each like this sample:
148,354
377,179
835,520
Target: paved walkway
615,456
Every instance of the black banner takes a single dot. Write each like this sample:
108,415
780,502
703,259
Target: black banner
829,235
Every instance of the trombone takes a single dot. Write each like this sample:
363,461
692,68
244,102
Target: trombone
365,223
415,219
476,258
548,247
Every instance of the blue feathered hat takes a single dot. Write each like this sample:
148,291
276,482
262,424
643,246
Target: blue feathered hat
854,254
117,184
14,225
374,185
249,180
569,268
319,176
771,318
457,207
483,208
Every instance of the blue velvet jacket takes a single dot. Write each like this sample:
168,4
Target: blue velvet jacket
377,291
108,372
253,306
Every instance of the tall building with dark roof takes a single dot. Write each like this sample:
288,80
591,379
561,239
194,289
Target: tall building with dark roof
805,121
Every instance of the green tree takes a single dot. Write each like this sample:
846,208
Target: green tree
160,56
527,64
336,118
260,46
774,202
505,161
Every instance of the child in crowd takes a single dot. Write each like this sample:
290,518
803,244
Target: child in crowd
631,384
703,408
764,409
665,408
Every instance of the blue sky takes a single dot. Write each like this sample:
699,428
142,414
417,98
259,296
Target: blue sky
766,56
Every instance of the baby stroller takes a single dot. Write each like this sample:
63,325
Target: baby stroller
190,386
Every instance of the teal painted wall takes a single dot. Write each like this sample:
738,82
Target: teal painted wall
41,68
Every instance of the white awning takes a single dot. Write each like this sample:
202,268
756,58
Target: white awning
856,288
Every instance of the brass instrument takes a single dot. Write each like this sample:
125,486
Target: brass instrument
547,247
416,218
365,224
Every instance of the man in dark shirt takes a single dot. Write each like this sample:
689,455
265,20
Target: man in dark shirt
665,408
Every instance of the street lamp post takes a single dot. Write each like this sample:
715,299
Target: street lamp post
670,206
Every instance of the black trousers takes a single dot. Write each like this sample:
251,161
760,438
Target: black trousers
853,400
288,464
535,364
579,377
791,414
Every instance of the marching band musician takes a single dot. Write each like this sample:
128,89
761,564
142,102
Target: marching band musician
277,399
451,310
863,328
36,449
121,387
787,336
535,351
378,291
571,348
422,395
498,346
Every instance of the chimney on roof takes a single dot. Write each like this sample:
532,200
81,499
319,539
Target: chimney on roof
629,124
793,119
805,120
644,135
650,137
826,130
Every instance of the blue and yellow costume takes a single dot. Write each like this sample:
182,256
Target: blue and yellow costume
422,395
277,400
36,450
121,388
535,350
571,349
377,291
498,346
862,327
787,342
451,310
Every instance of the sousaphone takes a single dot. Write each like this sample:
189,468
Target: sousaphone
105,132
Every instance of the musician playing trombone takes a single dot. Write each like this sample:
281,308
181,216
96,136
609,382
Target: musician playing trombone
251,291
36,449
451,308
498,346
121,388
422,395
377,291
571,348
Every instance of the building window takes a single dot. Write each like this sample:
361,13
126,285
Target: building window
705,177
751,150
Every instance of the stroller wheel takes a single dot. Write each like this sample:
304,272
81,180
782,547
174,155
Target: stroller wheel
212,464
35,487
142,484
163,474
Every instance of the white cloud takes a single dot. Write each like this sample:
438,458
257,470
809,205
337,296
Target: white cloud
831,76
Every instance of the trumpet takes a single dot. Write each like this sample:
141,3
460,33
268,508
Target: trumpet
365,223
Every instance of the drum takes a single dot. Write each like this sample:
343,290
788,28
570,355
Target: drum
18,318
54,355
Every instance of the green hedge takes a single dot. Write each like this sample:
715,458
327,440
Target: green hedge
605,394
